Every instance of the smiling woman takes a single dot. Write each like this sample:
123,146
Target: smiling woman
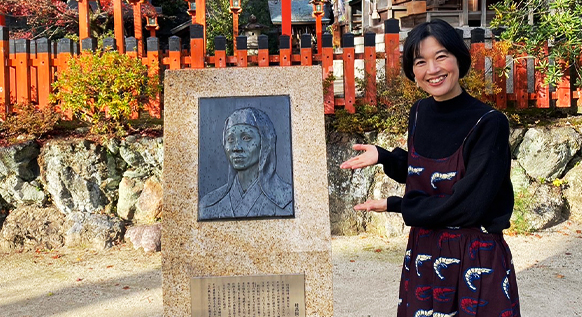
253,188
458,196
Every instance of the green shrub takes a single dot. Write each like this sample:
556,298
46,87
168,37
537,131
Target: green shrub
105,89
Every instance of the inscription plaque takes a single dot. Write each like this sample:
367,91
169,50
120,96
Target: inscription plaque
253,296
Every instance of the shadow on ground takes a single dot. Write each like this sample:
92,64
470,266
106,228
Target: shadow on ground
118,283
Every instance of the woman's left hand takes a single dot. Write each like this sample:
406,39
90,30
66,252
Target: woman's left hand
373,205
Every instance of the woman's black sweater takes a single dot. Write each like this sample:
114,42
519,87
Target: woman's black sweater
484,196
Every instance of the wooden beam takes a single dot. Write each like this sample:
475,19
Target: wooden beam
118,25
286,17
84,28
201,19
465,20
4,73
483,14
138,27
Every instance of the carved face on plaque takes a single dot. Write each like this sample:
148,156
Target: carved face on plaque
242,145
253,188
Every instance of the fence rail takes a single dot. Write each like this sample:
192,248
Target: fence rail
29,68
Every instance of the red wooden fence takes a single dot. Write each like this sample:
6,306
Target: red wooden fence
29,68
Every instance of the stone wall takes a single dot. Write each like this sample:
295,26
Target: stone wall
78,192
546,176
81,193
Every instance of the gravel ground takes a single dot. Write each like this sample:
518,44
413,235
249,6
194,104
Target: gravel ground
123,282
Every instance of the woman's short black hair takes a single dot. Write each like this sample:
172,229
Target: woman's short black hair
445,34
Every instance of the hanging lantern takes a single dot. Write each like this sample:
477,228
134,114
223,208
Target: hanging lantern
317,8
234,5
152,23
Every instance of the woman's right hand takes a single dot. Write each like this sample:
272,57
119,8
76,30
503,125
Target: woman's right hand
369,157
377,205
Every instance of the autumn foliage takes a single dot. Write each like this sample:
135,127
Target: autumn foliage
55,19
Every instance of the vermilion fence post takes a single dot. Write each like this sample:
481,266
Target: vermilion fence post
131,47
118,26
392,46
220,51
499,79
89,45
22,50
306,53
286,19
564,92
241,51
478,53
12,65
154,69
370,67
349,72
478,48
84,26
44,71
201,20
327,70
263,54
137,26
543,91
64,51
33,73
4,73
109,44
284,50
196,46
520,81
175,52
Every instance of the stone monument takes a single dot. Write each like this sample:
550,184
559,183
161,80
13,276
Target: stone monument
246,221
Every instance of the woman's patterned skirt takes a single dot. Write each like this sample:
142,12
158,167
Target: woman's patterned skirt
457,272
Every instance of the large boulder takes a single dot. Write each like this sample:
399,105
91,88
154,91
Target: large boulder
149,203
385,223
20,159
515,138
545,152
31,228
573,192
96,231
144,155
19,171
78,176
538,207
18,192
147,237
346,187
382,187
519,179
350,187
130,190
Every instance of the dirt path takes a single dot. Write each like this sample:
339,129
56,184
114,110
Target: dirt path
122,282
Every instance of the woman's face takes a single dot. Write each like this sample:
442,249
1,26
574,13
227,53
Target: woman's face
242,145
436,70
